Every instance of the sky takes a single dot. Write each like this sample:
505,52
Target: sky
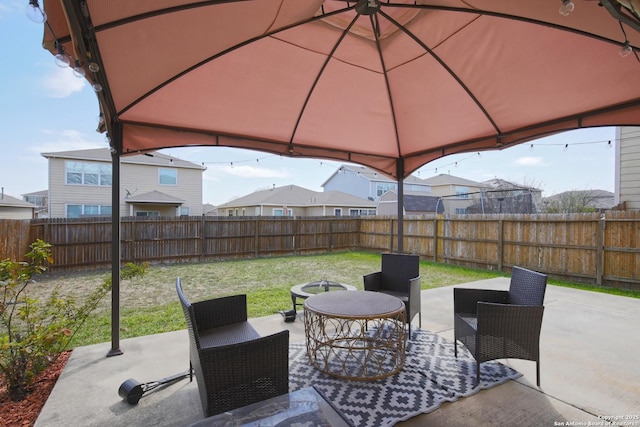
44,108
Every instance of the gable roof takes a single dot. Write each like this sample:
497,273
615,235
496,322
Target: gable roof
10,201
155,197
104,155
446,179
371,175
293,195
498,183
43,193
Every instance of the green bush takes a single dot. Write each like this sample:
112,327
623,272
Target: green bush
34,333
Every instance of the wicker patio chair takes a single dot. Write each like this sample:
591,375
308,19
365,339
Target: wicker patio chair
233,365
496,324
400,277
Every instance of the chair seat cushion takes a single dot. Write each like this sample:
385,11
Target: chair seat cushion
229,334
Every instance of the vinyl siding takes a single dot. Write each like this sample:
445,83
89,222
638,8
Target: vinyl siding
7,212
629,167
137,178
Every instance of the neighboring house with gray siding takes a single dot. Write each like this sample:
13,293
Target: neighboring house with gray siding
367,183
41,200
292,200
627,167
152,184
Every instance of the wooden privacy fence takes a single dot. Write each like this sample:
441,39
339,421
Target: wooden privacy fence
591,248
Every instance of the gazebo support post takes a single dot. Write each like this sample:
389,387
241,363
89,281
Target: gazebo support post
116,144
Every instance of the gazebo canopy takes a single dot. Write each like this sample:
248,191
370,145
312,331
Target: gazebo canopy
370,82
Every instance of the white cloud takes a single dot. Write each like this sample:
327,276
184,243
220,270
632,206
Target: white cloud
254,172
61,83
529,161
66,140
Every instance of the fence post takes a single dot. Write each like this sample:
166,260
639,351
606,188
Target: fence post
435,238
132,240
256,238
600,251
391,235
500,243
203,240
294,229
331,235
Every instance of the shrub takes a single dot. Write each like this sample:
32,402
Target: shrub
34,333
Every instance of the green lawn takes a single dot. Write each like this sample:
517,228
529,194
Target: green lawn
149,304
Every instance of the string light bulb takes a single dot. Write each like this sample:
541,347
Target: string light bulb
78,71
625,50
567,7
34,13
61,59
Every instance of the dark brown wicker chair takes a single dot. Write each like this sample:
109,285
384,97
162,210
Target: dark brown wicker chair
400,277
502,324
233,365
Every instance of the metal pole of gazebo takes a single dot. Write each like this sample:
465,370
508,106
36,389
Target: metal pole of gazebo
116,148
400,175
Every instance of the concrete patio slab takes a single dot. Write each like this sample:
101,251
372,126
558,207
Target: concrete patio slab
589,371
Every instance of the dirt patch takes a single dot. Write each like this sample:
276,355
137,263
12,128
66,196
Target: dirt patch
25,413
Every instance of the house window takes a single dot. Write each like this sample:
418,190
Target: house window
461,211
230,212
84,173
77,211
280,212
185,211
337,212
383,187
462,192
148,213
362,212
167,176
419,188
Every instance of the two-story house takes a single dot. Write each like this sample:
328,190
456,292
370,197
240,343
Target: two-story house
457,194
627,167
367,183
151,184
41,200
292,200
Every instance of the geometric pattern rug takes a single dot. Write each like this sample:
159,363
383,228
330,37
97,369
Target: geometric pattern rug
431,376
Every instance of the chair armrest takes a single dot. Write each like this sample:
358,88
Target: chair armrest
415,289
372,281
220,311
466,300
415,285
509,321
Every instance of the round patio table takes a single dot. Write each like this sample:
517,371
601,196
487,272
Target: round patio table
356,335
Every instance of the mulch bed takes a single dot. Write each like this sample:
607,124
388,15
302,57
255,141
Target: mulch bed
25,413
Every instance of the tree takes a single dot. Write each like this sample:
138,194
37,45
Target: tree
571,202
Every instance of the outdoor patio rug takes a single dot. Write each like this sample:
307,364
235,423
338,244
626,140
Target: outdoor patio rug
431,375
